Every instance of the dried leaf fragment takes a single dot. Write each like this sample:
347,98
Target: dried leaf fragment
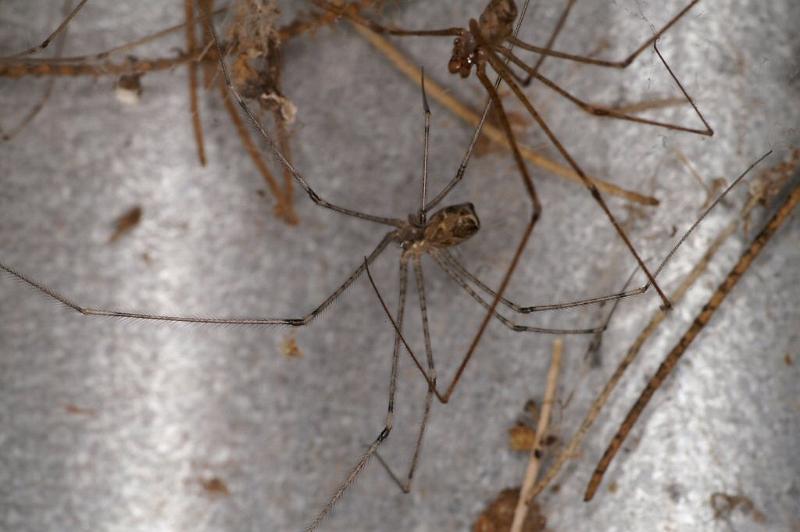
521,437
290,348
215,486
125,223
497,517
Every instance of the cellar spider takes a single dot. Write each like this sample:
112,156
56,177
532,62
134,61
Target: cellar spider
311,393
419,235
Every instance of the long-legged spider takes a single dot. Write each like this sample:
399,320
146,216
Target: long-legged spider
275,430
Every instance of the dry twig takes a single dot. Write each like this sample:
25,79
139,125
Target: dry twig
521,511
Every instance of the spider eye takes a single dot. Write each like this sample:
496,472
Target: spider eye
454,66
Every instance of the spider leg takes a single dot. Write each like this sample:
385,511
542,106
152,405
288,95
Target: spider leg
405,485
603,62
459,279
61,28
446,256
372,449
551,40
498,65
295,322
34,111
604,111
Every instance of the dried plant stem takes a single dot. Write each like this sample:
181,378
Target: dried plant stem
191,45
38,68
702,319
285,206
521,511
255,154
494,134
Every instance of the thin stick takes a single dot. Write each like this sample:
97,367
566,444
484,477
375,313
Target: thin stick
521,511
702,319
406,67
191,45
38,68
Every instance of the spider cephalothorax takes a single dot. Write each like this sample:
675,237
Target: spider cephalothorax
495,24
447,227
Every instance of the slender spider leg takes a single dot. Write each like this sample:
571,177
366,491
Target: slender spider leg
498,65
294,322
277,153
536,212
604,111
61,27
249,145
602,62
15,59
405,486
448,257
462,167
553,36
456,276
422,215
34,111
372,449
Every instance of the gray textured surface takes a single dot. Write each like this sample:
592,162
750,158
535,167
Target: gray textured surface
165,407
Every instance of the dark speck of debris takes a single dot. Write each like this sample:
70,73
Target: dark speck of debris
674,492
215,486
78,410
125,223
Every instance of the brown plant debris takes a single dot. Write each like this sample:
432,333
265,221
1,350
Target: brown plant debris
125,223
128,88
498,515
290,348
76,410
215,486
769,183
521,437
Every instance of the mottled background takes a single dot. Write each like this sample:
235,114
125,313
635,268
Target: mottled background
121,425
